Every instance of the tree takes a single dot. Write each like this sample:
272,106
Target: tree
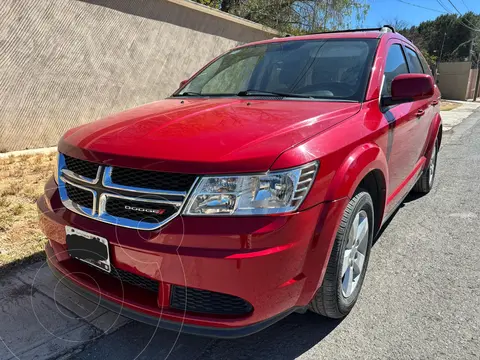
396,22
312,16
228,5
449,37
296,16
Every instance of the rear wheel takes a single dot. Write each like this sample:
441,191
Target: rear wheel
425,182
348,261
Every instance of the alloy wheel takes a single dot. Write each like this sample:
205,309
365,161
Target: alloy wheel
354,254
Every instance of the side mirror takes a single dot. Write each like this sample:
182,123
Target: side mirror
182,83
410,87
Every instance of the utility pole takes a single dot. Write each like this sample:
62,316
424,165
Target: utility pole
439,59
478,78
441,50
470,53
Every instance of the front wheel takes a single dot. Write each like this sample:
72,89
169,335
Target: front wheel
348,260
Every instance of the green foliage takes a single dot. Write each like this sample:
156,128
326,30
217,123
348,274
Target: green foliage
212,3
448,36
296,16
431,59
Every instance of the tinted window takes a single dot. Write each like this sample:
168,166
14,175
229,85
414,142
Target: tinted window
414,62
426,67
396,65
326,69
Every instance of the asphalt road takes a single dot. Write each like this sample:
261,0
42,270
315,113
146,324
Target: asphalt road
420,300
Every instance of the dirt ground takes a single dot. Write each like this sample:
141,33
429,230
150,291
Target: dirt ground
22,179
448,105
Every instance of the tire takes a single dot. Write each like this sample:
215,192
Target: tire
333,299
425,182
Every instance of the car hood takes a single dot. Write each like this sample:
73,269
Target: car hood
203,135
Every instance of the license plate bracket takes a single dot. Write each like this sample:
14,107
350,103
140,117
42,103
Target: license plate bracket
89,248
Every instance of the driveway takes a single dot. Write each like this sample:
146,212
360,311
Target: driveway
421,297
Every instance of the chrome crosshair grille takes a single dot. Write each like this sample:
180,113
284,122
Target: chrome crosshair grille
135,202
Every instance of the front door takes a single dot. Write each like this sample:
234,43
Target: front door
402,119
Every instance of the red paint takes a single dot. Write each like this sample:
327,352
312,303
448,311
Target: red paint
275,262
203,135
405,186
164,295
413,86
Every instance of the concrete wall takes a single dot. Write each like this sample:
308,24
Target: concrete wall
454,79
64,62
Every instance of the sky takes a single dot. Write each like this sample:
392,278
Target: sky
382,11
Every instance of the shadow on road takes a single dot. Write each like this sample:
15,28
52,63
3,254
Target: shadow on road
14,265
410,197
287,339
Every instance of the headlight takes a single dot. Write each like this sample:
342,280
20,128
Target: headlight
55,168
271,193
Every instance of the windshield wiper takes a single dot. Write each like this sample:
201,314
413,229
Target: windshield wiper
189,93
271,93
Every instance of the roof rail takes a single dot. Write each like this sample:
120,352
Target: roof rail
388,28
384,29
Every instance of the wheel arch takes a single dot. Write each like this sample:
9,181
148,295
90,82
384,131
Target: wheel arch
440,135
374,183
436,132
365,167
357,164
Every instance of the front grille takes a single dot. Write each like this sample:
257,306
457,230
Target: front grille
79,196
134,279
152,179
207,302
81,167
129,278
116,207
157,197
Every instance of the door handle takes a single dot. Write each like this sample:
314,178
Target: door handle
420,113
435,102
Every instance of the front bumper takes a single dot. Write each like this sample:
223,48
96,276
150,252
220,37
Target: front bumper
275,263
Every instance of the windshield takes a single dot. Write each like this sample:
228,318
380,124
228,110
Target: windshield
320,69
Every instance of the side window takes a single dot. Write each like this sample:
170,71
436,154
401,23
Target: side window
426,68
414,62
396,65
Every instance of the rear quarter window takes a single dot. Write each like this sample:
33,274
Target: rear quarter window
414,62
425,65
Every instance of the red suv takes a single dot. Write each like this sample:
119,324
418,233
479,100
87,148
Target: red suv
255,190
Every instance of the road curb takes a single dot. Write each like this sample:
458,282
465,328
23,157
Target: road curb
455,117
45,151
